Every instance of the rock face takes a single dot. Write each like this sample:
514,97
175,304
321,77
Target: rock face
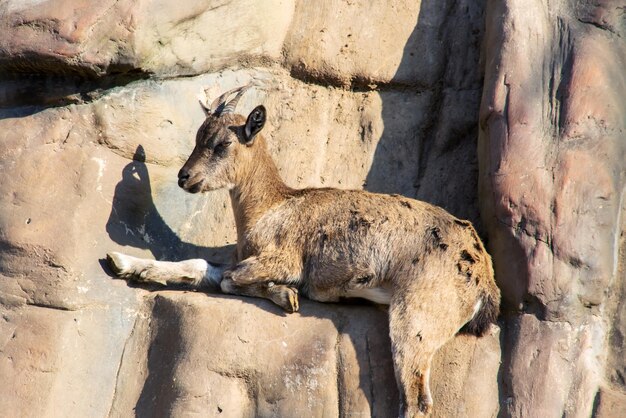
553,160
98,111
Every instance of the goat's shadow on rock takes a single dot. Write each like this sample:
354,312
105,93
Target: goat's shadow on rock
135,221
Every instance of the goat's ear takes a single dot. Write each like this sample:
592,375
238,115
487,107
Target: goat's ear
254,124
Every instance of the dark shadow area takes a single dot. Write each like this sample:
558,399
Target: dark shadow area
509,336
436,161
157,394
23,94
135,221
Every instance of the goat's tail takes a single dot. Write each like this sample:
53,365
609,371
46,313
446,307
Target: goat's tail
487,306
487,314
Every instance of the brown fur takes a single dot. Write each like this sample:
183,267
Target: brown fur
330,243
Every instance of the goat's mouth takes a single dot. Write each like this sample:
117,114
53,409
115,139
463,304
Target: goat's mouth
193,188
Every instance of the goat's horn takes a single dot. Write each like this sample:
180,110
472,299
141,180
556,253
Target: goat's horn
218,104
232,104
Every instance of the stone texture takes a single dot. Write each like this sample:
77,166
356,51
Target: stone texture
391,43
467,386
107,164
61,362
205,36
337,42
616,311
610,404
563,367
558,207
318,362
552,161
84,36
98,110
156,36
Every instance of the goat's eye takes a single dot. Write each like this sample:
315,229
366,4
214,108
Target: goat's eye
221,147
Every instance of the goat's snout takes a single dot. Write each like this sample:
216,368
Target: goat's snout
183,176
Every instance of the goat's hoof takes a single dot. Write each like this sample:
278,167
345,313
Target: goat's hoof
132,268
287,298
119,264
425,405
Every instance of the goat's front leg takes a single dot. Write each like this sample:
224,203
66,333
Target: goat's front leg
194,273
284,296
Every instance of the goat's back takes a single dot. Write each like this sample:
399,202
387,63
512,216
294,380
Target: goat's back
340,234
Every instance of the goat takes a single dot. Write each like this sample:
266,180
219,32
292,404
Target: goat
428,266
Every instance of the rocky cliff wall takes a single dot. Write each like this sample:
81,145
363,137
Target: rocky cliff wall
552,157
99,110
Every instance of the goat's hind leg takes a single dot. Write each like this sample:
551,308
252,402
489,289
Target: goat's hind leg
418,328
412,357
194,273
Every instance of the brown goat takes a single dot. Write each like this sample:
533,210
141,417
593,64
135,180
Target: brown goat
428,266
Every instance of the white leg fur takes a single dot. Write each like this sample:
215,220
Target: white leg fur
194,272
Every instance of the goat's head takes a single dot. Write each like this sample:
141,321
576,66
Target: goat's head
224,145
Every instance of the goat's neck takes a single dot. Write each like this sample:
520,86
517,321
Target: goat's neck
258,191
